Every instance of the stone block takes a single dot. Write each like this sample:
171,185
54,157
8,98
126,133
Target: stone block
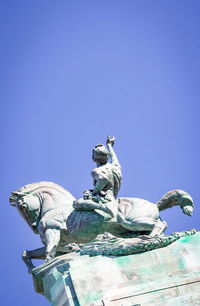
165,276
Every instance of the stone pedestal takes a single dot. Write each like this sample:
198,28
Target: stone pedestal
165,276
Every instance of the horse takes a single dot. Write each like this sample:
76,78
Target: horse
49,211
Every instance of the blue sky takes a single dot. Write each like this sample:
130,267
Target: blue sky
73,72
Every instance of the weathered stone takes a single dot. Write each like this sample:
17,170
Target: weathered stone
168,276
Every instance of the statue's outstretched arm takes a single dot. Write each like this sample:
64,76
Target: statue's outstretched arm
113,156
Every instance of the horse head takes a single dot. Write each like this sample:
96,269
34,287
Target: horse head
33,200
28,206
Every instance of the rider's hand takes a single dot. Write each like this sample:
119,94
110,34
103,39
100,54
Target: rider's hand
87,194
110,140
76,205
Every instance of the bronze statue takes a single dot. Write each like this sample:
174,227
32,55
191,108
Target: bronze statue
106,179
49,210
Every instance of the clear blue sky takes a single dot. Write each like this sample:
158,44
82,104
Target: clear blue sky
73,72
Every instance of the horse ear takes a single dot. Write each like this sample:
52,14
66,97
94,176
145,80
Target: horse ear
13,198
15,194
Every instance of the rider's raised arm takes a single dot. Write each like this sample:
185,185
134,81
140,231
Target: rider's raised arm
110,143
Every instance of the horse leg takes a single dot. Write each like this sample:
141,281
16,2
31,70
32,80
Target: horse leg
159,227
33,254
155,227
136,224
52,238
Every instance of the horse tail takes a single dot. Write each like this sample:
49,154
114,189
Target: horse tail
176,198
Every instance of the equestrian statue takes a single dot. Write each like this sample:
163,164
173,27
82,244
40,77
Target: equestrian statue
64,222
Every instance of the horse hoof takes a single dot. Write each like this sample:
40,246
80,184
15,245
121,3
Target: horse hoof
144,237
24,254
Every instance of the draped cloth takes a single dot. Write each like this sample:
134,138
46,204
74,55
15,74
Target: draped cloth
107,179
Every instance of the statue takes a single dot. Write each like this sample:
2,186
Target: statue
106,178
49,210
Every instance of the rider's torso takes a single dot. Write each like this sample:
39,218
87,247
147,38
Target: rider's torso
105,172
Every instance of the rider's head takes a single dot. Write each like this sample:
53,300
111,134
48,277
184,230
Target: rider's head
100,154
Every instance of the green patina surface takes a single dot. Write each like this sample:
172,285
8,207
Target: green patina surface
158,271
166,276
195,239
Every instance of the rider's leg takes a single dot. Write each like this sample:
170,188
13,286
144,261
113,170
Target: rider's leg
88,204
82,204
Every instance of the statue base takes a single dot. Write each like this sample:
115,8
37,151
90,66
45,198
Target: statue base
164,276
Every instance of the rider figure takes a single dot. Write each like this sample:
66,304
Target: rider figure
106,179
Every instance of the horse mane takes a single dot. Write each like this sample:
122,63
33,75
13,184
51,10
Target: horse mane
33,187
